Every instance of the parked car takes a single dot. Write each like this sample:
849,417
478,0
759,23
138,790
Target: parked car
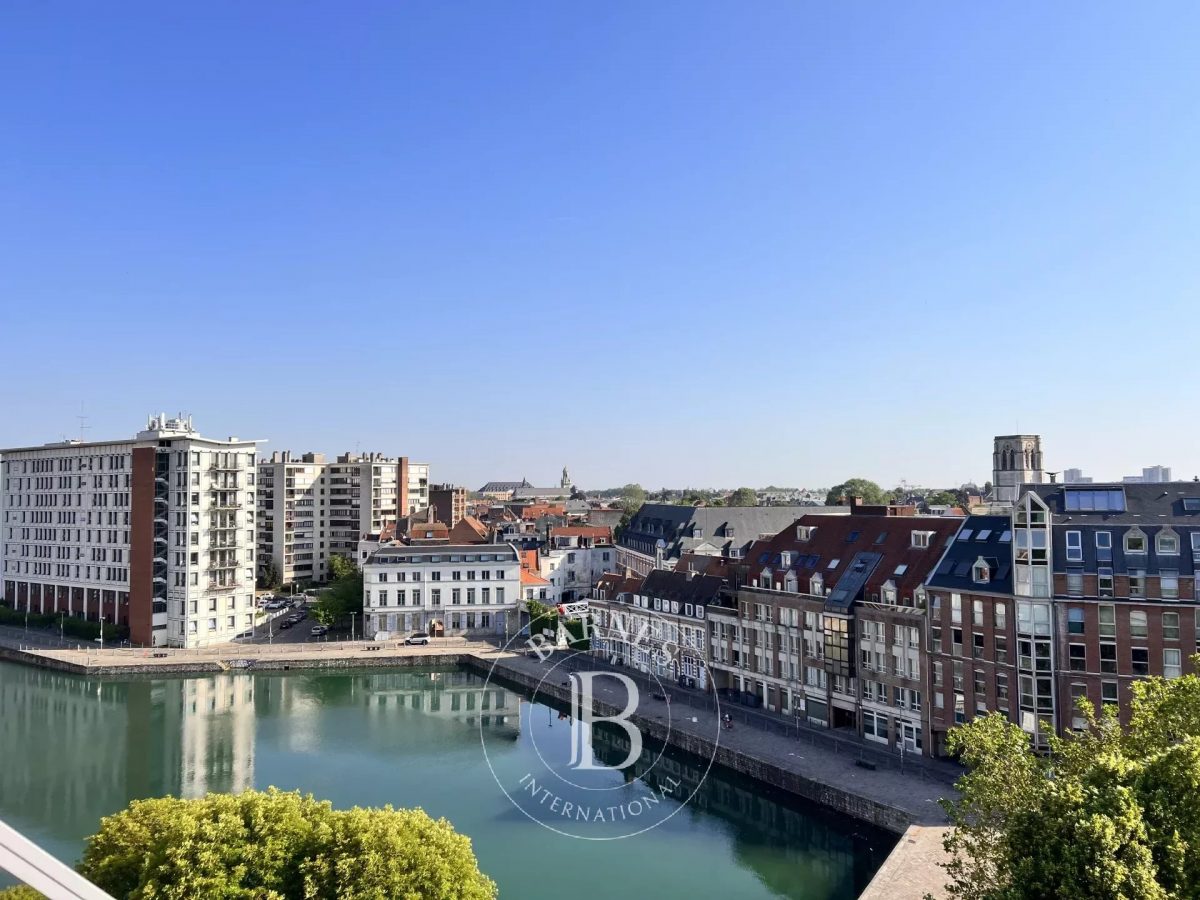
318,630
298,616
419,638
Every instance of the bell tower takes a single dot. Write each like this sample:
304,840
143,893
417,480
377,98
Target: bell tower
1016,460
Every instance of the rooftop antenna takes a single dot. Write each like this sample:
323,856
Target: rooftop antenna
83,426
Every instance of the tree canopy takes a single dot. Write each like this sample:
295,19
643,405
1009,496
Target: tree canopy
942,498
344,595
857,487
743,496
1108,813
278,846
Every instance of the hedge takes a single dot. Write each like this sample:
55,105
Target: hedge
72,626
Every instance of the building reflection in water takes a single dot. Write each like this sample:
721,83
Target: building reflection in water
823,854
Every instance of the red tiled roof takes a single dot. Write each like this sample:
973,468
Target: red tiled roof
592,531
836,539
469,530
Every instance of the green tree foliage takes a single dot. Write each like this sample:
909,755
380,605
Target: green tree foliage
21,892
942,498
857,487
743,496
632,497
268,577
343,596
279,846
70,626
1108,813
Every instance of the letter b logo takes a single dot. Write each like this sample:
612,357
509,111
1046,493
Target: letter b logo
583,717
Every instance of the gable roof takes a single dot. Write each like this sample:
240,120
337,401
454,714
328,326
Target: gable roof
853,556
469,530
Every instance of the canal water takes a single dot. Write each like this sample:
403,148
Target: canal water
74,749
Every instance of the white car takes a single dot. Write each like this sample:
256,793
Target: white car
420,638
318,630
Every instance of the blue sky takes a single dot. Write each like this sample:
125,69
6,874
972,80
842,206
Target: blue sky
675,243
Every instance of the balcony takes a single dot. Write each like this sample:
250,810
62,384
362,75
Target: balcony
225,503
224,585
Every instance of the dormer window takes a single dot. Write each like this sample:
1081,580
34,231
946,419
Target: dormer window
921,538
889,593
981,572
785,559
1167,543
790,583
1135,541
816,585
764,578
697,531
805,532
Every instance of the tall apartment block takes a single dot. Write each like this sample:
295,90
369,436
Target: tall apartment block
154,532
449,503
311,509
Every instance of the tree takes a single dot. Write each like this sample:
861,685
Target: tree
268,577
857,487
344,596
941,498
1106,814
744,496
281,845
632,497
21,892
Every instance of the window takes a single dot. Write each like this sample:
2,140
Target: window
1108,693
1001,650
1170,626
1167,543
1172,667
1168,585
1135,541
1000,613
1108,658
1137,583
1078,654
1137,623
981,572
1075,620
1108,620
1074,546
956,608
1002,689
1104,582
1140,658
1095,500
1075,584
921,538
1104,546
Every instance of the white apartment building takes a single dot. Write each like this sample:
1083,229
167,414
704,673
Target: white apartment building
573,560
155,532
311,509
442,589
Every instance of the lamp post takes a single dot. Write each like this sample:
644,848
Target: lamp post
102,632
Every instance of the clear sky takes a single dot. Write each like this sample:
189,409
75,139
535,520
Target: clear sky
675,243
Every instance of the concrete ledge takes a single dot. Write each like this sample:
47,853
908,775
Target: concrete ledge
913,868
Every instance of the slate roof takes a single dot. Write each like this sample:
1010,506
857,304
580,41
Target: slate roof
1150,508
499,487
989,537
723,527
701,589
855,555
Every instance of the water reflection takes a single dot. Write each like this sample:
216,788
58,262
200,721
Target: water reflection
76,750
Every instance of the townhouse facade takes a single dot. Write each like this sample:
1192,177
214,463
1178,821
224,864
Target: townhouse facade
442,589
155,533
311,509
826,622
633,615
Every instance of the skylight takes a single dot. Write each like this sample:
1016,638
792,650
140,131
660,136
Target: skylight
1005,536
833,564
984,534
1191,504
902,568
1095,500
965,534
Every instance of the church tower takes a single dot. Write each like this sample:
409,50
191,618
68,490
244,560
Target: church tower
1016,460
565,483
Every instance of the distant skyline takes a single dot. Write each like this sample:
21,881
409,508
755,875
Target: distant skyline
682,244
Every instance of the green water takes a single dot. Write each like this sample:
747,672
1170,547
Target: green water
75,749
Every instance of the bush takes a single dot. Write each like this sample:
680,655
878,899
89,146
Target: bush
279,845
72,626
